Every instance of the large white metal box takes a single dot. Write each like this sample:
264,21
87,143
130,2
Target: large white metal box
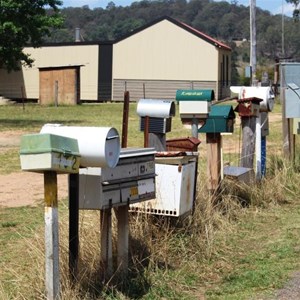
175,186
132,180
49,152
290,88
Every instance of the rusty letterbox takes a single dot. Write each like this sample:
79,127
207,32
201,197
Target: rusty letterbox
248,107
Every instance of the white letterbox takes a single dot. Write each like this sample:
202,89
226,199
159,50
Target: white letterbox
175,186
194,104
262,92
98,146
132,180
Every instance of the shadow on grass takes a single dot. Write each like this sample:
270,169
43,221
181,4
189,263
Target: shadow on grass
133,283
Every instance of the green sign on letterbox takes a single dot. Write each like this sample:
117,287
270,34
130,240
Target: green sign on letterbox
220,119
195,95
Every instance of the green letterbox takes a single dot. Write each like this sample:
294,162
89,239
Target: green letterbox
220,119
194,104
49,152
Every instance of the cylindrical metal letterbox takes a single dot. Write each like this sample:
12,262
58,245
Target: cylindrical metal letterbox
262,92
156,108
98,146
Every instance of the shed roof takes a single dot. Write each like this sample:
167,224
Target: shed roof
184,26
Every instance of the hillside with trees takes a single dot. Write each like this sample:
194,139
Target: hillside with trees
227,22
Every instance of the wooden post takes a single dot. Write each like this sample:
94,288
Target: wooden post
23,96
56,93
73,224
106,243
51,236
146,132
248,141
123,237
125,119
214,143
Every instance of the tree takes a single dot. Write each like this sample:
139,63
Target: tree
296,12
24,22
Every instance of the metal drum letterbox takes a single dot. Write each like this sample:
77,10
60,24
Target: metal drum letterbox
49,152
264,93
98,146
131,181
175,185
160,113
194,104
220,120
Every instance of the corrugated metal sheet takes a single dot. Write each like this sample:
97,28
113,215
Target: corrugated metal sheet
154,88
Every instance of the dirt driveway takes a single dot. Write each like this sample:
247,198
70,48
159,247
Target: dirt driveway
23,188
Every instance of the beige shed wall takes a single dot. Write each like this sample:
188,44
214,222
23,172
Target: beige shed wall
165,51
85,55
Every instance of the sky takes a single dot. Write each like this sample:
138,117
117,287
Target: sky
273,6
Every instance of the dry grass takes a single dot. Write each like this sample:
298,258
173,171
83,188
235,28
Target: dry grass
169,258
166,255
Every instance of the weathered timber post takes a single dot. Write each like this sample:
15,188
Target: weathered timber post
248,141
51,236
214,142
106,243
123,237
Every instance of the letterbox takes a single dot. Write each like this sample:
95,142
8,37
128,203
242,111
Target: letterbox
220,119
175,185
189,144
194,104
290,88
131,181
248,107
160,113
264,93
49,152
98,146
296,126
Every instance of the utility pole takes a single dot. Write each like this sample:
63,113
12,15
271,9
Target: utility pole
253,41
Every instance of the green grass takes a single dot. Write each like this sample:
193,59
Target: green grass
226,250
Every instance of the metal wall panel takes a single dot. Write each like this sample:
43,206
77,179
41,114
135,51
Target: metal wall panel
155,89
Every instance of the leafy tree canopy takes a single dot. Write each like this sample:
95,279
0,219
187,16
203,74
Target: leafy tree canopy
25,22
296,12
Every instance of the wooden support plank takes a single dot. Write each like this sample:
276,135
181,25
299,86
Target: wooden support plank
73,225
214,144
248,141
51,236
106,243
123,237
146,132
